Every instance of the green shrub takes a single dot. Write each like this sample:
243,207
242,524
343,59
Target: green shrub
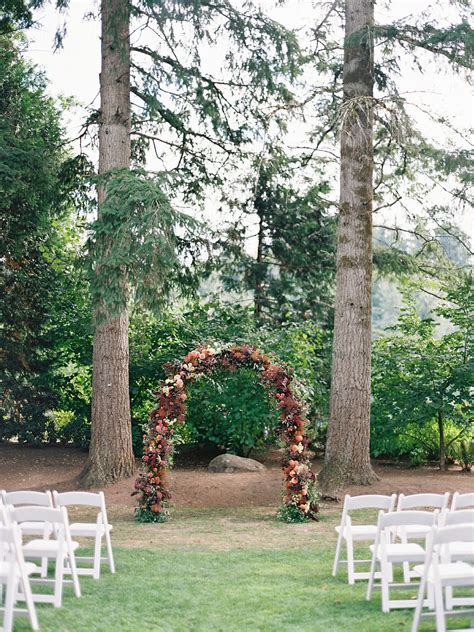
231,410
463,453
291,514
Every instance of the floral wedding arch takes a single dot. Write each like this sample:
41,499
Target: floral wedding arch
298,497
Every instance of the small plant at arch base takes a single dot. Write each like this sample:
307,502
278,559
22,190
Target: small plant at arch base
299,500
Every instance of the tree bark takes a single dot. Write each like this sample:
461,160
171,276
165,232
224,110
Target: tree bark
347,458
442,442
259,273
110,453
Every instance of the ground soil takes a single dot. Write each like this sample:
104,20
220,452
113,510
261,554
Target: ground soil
194,487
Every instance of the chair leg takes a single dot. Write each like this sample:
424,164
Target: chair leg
439,608
9,605
74,575
110,554
419,604
406,572
44,567
390,573
385,587
44,560
430,596
30,604
97,553
350,560
449,597
336,557
370,585
58,581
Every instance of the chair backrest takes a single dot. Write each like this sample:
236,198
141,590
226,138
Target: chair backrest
5,519
450,518
42,499
461,501
407,518
49,515
89,499
417,501
454,533
10,545
6,535
370,501
7,542
366,501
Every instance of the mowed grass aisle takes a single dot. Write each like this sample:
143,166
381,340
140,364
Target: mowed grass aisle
222,570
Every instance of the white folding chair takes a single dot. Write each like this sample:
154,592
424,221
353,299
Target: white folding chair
457,551
418,532
462,501
59,548
437,575
31,498
100,529
14,575
351,533
385,552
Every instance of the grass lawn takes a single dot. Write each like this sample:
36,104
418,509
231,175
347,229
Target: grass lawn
222,571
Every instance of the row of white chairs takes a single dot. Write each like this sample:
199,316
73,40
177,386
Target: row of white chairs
444,562
351,533
26,514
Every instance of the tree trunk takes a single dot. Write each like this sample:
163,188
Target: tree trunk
110,453
259,272
442,442
347,458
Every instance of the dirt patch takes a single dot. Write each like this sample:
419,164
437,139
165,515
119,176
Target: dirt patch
195,487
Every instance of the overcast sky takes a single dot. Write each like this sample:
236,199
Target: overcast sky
74,70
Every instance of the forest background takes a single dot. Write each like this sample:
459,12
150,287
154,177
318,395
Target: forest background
256,261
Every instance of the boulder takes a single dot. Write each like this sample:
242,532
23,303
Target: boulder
233,463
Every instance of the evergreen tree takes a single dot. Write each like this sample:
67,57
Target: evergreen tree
347,450
291,272
36,178
134,243
403,161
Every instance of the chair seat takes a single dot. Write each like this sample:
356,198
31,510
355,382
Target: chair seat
448,571
5,568
88,529
44,548
402,552
360,531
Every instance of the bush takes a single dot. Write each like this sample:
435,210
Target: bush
231,410
421,383
463,453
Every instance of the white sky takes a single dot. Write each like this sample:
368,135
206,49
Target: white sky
74,70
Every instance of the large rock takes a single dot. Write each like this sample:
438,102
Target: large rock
233,463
